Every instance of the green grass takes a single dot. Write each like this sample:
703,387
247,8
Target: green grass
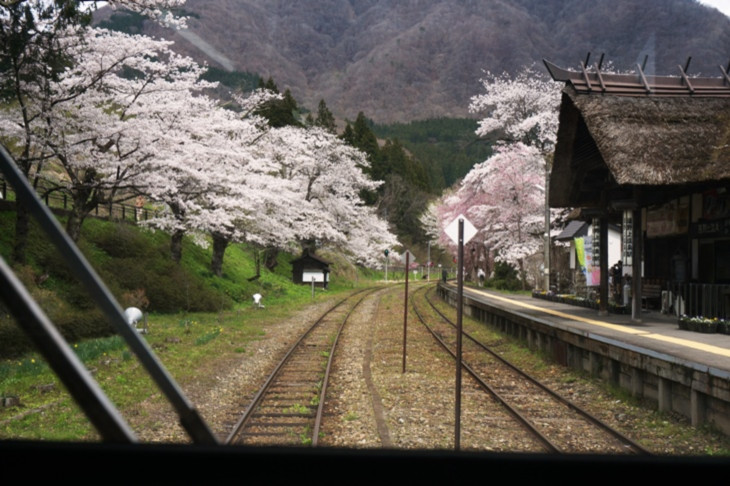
135,265
194,319
187,344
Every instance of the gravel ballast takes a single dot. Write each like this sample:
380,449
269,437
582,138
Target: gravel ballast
372,403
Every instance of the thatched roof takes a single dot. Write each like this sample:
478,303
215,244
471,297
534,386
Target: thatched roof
609,139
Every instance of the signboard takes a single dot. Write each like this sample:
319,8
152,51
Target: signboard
628,238
596,252
452,230
411,257
308,275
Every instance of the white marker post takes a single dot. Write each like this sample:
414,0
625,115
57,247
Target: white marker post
460,231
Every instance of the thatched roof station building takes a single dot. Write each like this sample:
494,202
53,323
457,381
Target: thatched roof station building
653,153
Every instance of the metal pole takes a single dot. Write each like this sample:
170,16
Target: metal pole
459,315
405,315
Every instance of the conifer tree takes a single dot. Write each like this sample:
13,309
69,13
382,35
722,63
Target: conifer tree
325,119
280,112
348,135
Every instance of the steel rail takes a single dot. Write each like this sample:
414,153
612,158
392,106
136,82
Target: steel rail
639,449
325,379
257,399
524,421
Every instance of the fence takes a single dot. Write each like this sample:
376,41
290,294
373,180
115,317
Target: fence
697,299
114,212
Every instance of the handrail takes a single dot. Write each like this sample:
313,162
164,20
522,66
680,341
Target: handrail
115,211
56,350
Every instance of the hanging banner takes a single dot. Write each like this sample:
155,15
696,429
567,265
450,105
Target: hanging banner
584,252
580,252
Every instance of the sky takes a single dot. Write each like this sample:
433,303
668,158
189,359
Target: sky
722,5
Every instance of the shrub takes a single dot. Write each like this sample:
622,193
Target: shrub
505,277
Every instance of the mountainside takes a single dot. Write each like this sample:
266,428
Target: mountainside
418,59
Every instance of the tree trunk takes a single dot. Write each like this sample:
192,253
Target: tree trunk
257,263
176,245
220,243
271,258
177,235
75,220
523,274
85,198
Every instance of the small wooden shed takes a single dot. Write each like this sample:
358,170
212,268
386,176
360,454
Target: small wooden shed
308,268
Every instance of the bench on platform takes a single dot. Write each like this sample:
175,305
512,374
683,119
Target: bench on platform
651,292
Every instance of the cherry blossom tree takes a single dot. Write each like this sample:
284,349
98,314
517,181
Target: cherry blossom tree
35,35
326,177
523,109
203,140
124,116
105,137
274,188
503,197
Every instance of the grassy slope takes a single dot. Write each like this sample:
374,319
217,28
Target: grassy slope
135,265
195,319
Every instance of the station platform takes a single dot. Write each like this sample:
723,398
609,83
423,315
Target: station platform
681,371
655,332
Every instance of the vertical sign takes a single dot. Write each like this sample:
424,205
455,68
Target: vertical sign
596,254
628,238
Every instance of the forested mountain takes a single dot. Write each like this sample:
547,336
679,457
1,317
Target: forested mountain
421,59
405,71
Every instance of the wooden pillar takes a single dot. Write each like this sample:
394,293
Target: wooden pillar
637,257
603,263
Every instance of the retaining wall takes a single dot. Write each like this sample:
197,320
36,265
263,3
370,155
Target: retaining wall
698,392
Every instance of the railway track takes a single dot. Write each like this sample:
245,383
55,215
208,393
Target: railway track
288,408
553,420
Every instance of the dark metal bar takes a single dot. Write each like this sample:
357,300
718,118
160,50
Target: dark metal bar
725,77
459,319
61,358
643,78
405,312
189,417
600,76
585,76
630,85
685,79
